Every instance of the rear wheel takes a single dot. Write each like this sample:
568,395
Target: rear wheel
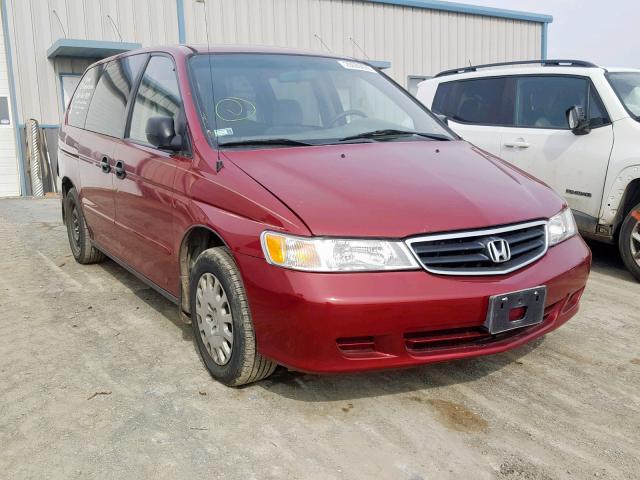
78,232
222,322
629,241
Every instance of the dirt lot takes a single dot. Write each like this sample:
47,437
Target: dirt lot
98,378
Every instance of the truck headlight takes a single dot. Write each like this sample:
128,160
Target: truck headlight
561,227
335,254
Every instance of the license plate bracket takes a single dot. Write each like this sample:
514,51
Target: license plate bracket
501,307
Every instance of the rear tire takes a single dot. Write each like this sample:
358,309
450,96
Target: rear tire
78,232
222,322
629,241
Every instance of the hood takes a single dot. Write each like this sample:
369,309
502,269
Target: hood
397,189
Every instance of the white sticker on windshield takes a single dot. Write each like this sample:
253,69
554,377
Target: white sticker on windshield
223,132
356,66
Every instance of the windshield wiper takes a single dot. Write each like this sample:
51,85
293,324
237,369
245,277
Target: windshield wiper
394,133
266,141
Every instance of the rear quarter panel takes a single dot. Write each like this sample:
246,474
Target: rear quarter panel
68,141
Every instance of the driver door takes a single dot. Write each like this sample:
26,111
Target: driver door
144,182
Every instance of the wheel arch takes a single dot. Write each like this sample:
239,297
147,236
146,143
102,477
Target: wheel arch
630,198
67,185
195,240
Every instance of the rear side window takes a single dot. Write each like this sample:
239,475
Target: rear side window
483,101
107,109
79,105
158,95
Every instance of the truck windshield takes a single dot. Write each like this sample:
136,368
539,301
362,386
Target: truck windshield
627,87
289,100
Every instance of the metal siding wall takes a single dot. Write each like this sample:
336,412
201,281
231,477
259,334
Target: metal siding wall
33,28
416,41
9,177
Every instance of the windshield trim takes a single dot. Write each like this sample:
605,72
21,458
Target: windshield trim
624,105
215,144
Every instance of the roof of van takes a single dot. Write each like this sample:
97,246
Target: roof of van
181,50
234,48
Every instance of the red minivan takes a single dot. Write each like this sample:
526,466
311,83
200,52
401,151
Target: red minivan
304,210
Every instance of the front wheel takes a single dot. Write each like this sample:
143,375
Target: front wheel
222,322
629,241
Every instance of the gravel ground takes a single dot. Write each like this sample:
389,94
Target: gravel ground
99,379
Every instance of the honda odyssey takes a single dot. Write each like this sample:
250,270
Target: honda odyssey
304,210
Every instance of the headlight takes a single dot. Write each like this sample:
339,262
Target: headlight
335,255
561,227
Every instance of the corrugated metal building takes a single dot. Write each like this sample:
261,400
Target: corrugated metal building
48,43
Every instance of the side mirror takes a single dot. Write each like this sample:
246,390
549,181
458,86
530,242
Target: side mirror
443,118
161,133
577,119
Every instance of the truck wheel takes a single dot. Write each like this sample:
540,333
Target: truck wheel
222,322
629,241
78,233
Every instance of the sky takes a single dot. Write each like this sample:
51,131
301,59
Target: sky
606,32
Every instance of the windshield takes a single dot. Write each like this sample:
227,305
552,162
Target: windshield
298,100
627,87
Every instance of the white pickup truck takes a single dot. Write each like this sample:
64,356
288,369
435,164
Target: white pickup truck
572,124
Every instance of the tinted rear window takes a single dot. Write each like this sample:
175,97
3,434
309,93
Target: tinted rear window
82,97
485,101
108,105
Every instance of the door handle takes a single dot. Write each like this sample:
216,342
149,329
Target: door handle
104,164
517,144
120,171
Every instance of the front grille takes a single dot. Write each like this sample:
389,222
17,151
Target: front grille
469,253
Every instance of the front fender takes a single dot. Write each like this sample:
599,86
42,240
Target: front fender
613,201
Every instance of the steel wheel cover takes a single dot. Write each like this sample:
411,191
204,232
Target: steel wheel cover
213,314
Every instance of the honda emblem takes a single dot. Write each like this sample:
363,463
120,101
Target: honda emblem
499,251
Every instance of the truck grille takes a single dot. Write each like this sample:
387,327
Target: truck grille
491,251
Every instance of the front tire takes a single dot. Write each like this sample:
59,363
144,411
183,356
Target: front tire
629,241
222,322
78,232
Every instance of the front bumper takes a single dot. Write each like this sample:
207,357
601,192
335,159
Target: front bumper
342,322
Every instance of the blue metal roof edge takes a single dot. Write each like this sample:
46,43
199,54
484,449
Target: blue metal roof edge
182,36
92,47
470,9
